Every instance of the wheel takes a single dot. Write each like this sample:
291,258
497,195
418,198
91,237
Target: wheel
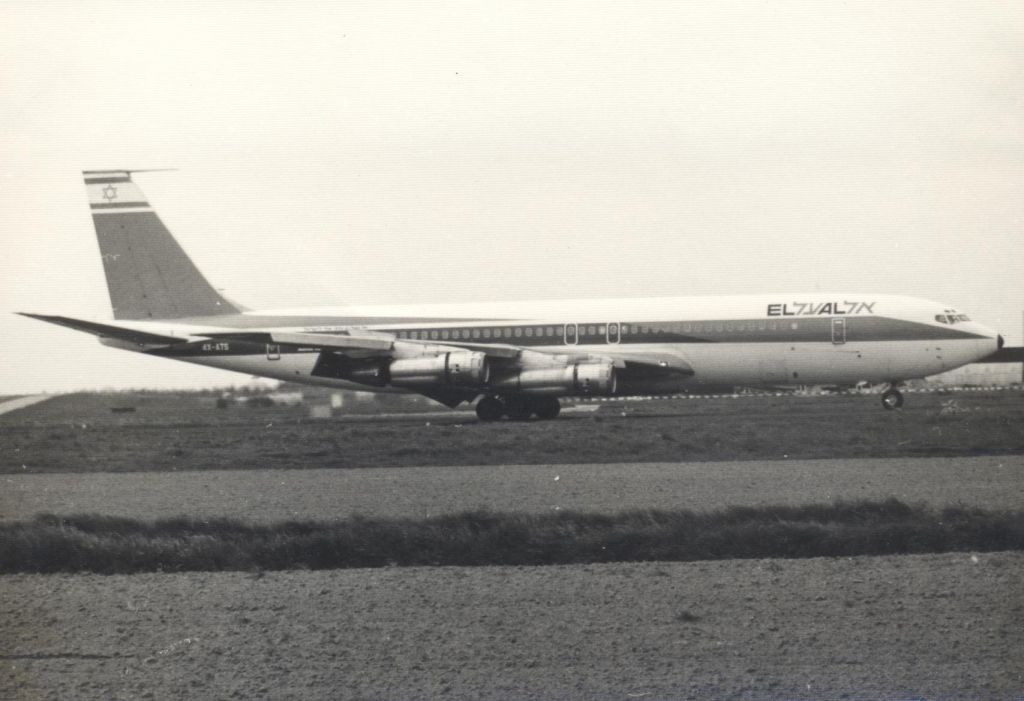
547,408
518,409
489,409
892,399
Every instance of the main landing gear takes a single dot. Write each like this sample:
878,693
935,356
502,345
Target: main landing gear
517,408
892,398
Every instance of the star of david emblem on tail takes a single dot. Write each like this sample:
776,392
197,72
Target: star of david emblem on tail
110,193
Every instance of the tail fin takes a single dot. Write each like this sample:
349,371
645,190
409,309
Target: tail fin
149,276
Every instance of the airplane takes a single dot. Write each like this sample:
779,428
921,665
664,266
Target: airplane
513,359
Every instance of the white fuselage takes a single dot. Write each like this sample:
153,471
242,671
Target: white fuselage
731,340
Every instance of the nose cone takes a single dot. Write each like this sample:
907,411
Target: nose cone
993,340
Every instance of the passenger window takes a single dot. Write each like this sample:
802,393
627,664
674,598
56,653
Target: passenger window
529,331
518,332
487,333
433,334
476,333
444,334
549,331
591,331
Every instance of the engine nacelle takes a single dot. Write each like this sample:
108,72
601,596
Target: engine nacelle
579,378
460,368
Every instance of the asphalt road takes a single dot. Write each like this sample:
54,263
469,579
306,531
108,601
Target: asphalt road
416,492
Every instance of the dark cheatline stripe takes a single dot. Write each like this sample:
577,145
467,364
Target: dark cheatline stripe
117,205
107,180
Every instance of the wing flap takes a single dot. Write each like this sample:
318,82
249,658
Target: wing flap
379,343
316,340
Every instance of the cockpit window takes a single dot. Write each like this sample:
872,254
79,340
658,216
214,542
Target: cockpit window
951,318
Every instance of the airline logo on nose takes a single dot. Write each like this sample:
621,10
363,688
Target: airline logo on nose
819,308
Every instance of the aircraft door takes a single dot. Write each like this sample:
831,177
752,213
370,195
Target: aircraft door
838,330
570,334
613,332
273,351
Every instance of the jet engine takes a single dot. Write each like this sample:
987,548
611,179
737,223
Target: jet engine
578,378
459,368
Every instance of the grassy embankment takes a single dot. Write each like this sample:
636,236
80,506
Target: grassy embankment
90,543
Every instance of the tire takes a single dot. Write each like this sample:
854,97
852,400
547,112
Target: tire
489,409
892,399
547,408
518,409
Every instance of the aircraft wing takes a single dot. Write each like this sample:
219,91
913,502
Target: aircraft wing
362,344
380,343
383,344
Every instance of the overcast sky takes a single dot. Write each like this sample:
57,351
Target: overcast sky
456,151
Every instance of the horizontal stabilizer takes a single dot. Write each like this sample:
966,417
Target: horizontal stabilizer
107,331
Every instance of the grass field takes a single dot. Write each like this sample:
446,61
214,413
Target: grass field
168,432
107,545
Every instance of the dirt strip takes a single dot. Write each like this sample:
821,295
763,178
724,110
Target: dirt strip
275,495
932,626
9,405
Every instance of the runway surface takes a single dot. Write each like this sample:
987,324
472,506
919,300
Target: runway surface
22,402
416,492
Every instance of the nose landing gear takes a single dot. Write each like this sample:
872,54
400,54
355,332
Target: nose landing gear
892,398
